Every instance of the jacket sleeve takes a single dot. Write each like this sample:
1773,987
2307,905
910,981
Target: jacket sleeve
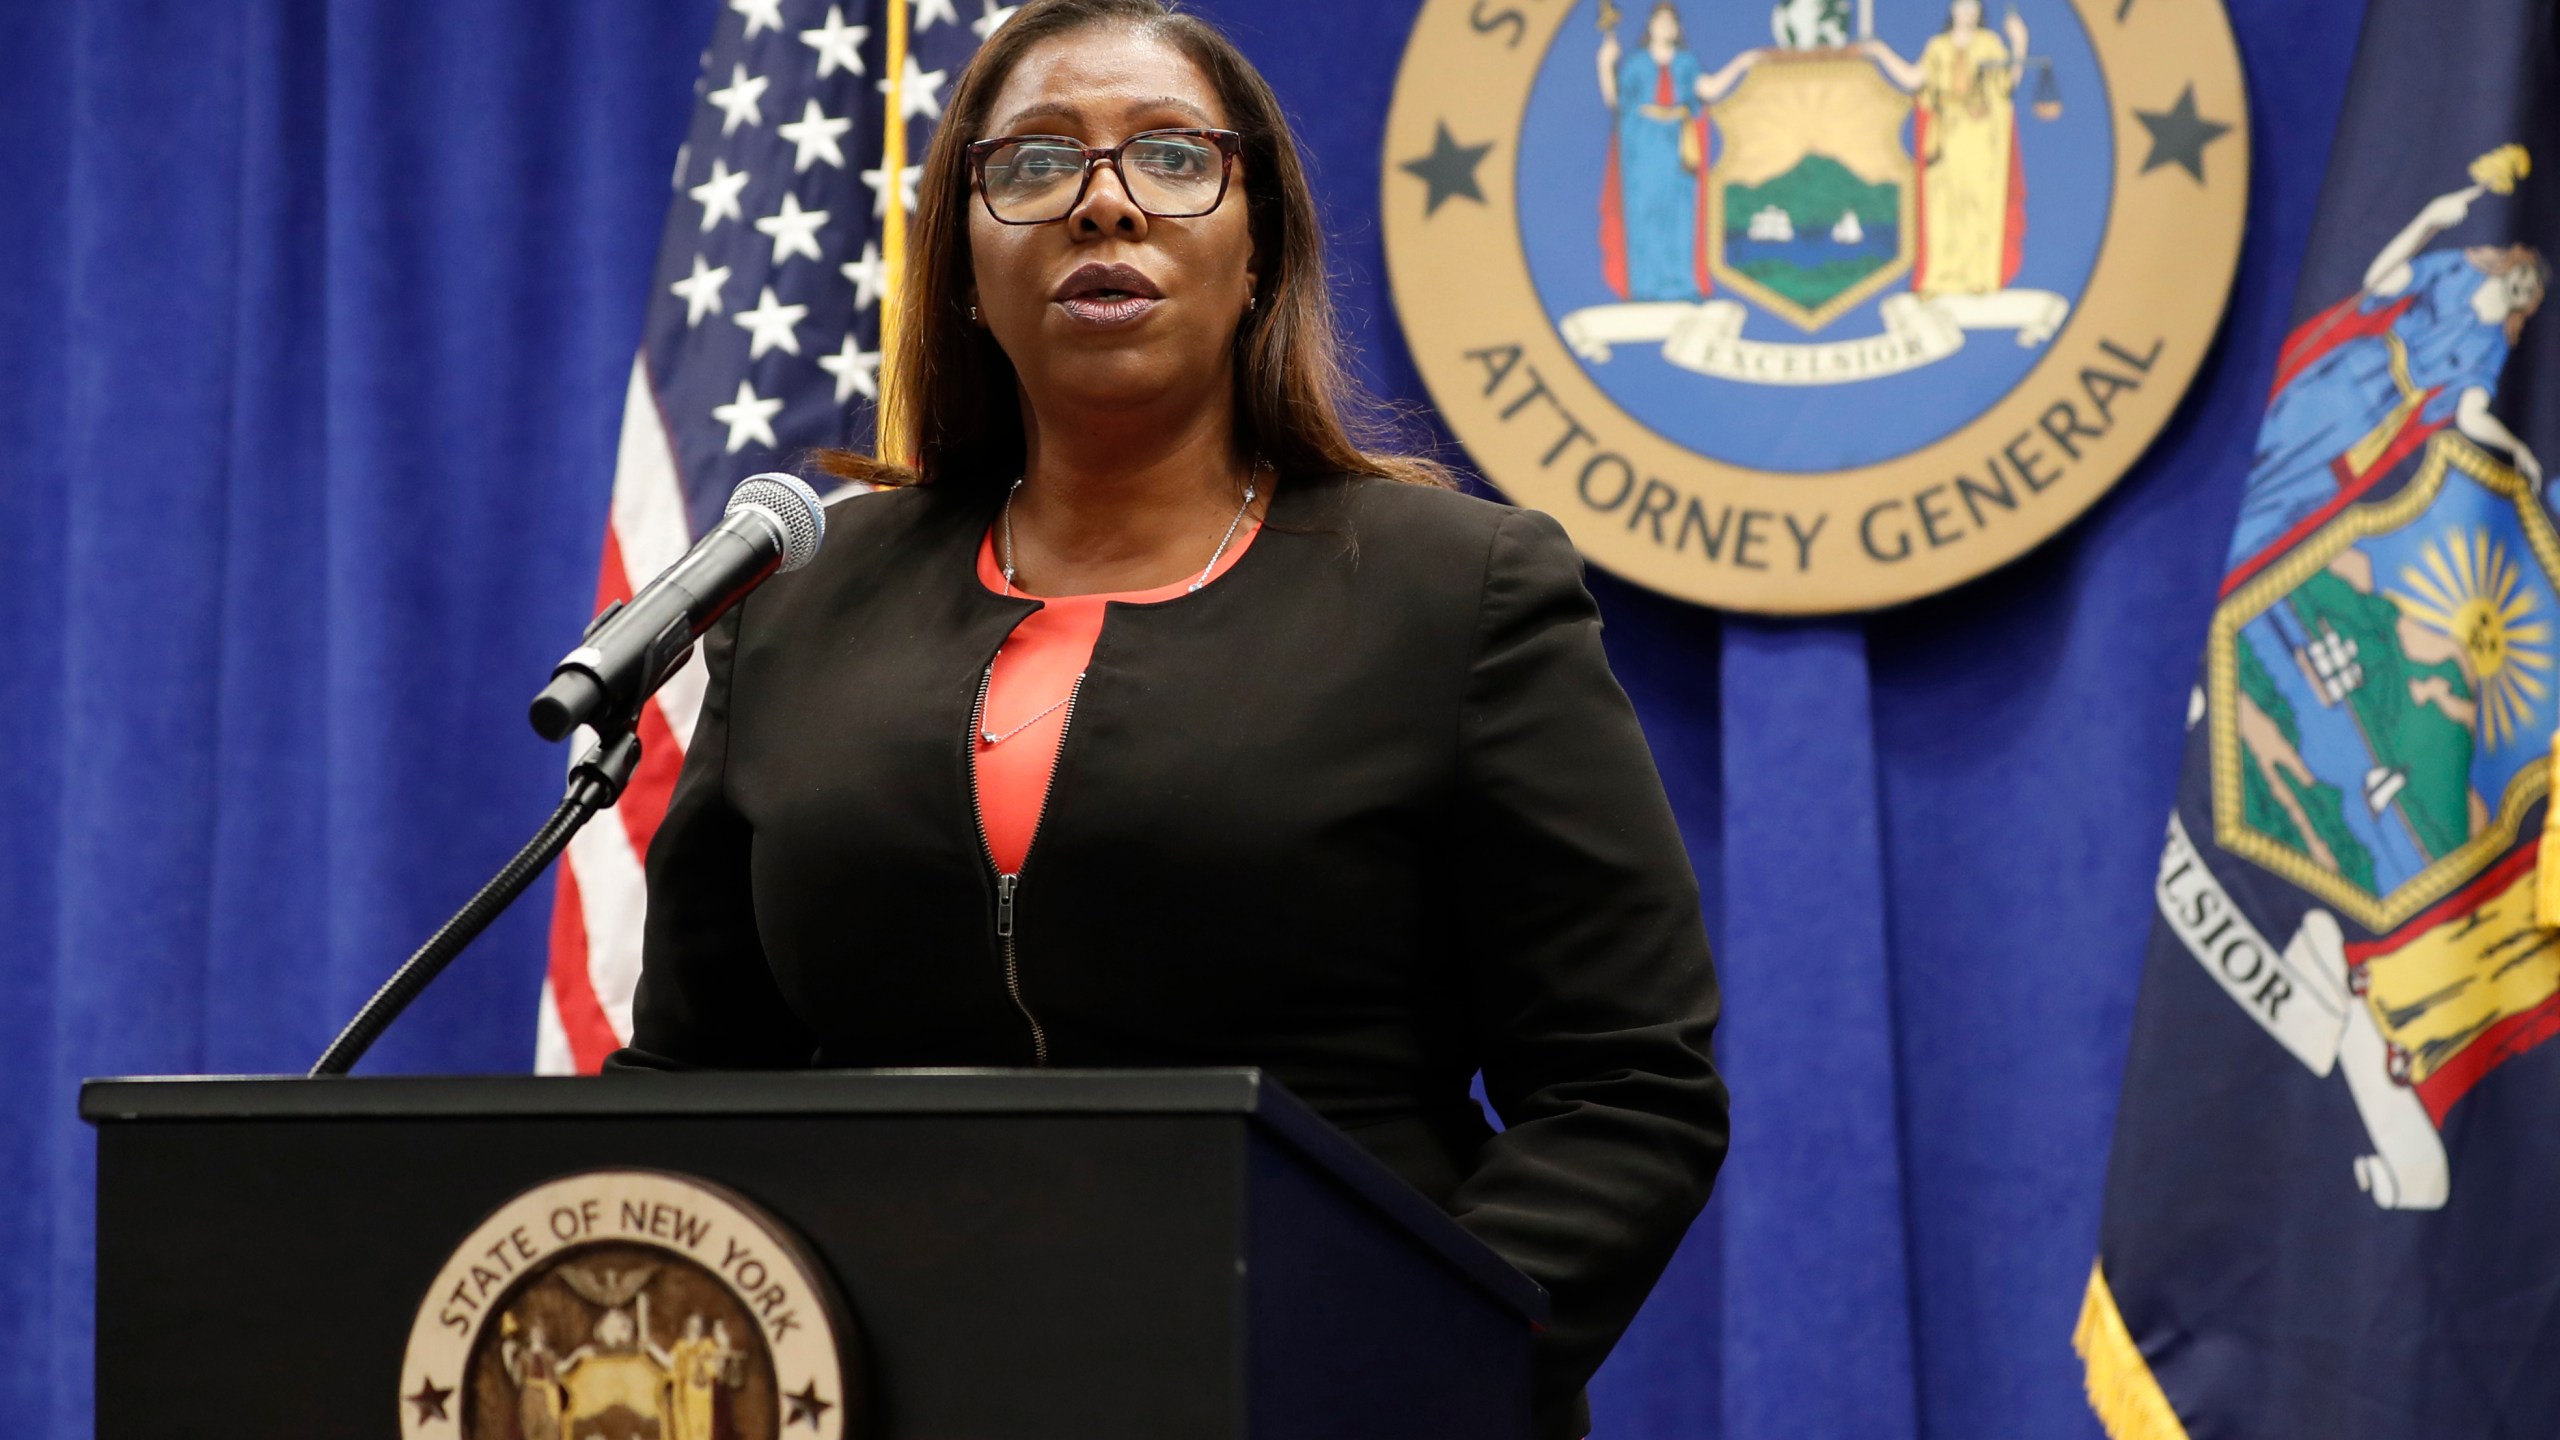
707,997
1593,994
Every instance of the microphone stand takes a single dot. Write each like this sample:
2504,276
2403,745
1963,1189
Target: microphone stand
595,782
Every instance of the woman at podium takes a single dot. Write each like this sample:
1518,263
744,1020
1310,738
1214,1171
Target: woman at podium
1148,719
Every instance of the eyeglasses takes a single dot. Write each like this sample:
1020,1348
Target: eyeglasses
1170,174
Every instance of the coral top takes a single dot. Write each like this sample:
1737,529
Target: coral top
1035,672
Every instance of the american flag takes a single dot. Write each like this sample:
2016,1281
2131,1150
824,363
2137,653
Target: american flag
763,339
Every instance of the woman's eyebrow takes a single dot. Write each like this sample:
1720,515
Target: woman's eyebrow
1070,115
1167,102
1042,111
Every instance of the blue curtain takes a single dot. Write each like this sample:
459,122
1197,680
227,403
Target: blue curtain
316,329
314,323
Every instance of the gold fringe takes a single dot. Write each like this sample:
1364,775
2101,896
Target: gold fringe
2121,1389
2546,868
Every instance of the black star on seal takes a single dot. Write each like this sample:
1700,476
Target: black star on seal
807,1406
2179,135
429,1400
1450,170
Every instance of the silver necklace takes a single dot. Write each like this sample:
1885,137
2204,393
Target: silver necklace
993,739
1202,579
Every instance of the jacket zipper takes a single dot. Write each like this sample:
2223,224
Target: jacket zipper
1006,884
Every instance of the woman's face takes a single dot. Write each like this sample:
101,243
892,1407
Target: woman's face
2524,289
1112,308
1663,30
1965,14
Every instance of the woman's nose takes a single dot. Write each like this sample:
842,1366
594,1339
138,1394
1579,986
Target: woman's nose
1107,208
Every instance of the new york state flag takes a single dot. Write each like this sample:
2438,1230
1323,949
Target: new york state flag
2333,1207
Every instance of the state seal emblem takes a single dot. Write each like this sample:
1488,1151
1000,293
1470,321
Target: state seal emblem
2382,687
618,1304
1812,307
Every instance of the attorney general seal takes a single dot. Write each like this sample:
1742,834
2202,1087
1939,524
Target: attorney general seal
1818,305
629,1303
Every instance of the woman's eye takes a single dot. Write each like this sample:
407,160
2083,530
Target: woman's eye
1176,160
1034,167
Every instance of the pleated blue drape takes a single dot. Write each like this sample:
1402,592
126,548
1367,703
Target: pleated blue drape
314,324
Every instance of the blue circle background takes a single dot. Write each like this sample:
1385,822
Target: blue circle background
1562,152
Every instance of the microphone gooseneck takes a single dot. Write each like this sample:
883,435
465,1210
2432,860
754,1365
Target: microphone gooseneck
595,783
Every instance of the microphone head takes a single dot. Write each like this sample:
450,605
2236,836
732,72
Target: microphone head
793,508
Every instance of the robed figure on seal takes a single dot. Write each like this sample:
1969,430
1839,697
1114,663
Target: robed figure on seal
541,1401
1652,246
698,1366
1973,191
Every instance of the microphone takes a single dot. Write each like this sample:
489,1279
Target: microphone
773,523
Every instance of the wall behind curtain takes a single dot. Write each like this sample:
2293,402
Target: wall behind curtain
314,322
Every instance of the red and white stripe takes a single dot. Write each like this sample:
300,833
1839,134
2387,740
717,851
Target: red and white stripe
600,901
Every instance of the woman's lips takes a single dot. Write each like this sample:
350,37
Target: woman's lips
1107,311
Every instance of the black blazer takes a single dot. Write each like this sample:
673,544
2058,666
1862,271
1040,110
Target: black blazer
1369,812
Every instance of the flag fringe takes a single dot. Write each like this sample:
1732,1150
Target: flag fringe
2546,877
2122,1390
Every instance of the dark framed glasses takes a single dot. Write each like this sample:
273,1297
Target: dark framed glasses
1170,174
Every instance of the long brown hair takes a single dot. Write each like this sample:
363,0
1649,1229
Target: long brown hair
2499,261
1679,32
1297,406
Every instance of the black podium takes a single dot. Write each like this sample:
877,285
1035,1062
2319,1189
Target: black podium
1165,1255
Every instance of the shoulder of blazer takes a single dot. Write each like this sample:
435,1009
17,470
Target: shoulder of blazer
1415,537
863,528
881,540
1426,534
1394,507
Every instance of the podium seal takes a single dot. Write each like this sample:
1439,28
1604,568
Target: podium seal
626,1303
1819,305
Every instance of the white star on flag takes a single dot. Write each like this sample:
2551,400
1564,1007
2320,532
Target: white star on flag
855,369
762,15
719,194
928,11
870,274
908,176
919,92
991,18
837,44
794,230
700,291
740,101
770,326
749,417
815,135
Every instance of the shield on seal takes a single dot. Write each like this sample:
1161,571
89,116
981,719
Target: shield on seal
1811,211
